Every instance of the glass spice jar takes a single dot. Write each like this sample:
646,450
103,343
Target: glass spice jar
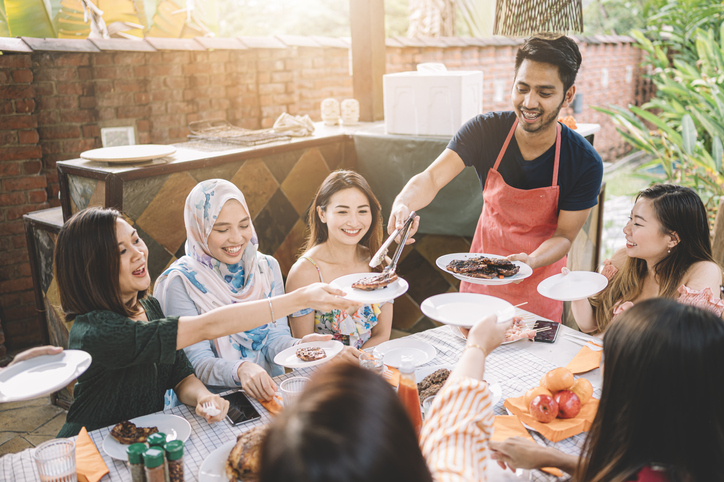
153,460
175,460
157,441
135,461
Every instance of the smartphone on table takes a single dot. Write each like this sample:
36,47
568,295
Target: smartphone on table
549,335
240,408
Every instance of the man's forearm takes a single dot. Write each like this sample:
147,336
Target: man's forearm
417,193
550,251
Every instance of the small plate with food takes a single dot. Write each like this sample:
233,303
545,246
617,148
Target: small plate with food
519,331
308,354
430,380
483,269
572,286
138,429
392,351
236,460
466,309
371,288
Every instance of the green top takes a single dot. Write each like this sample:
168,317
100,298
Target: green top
174,449
156,439
135,453
153,458
134,363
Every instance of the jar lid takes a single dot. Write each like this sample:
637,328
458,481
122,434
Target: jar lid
174,449
153,458
135,453
156,439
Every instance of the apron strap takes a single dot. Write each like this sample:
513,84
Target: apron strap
557,155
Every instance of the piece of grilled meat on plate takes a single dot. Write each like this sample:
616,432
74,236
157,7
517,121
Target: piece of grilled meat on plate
372,283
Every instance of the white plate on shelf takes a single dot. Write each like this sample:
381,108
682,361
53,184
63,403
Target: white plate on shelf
392,351
466,309
41,375
388,293
128,154
443,261
576,285
213,468
288,358
175,428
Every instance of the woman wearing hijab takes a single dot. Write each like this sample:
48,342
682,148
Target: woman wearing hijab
223,266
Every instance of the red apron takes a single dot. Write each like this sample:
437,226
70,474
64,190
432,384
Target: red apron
518,221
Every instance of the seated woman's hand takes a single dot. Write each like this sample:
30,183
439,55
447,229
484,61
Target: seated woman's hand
256,381
37,351
322,297
217,401
488,333
312,337
520,453
349,354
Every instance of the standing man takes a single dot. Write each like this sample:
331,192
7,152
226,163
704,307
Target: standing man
540,179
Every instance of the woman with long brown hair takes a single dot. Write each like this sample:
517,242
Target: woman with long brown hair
667,254
345,231
659,418
101,266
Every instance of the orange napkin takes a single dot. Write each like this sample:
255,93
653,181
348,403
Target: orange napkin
559,428
507,426
274,405
585,361
88,461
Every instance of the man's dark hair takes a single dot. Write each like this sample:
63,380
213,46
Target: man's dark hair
562,52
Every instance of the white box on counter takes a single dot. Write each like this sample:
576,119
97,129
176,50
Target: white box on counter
431,101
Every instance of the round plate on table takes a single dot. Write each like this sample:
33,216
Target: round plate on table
576,285
392,351
496,391
41,375
466,309
443,261
288,358
388,293
128,154
213,468
175,428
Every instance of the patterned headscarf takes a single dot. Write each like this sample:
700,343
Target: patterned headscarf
211,283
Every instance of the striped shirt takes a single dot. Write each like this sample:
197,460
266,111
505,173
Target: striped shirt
457,431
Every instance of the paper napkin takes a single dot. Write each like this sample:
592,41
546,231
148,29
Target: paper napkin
585,361
88,461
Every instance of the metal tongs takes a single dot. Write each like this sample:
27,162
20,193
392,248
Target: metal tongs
404,233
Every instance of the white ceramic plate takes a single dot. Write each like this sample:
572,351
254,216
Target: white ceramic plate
388,293
392,351
496,391
576,285
213,468
288,358
443,261
128,154
41,375
466,309
175,428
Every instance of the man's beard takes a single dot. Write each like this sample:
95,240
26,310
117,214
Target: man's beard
546,120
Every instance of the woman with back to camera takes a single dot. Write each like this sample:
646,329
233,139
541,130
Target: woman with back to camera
349,425
659,418
223,266
667,254
102,275
345,224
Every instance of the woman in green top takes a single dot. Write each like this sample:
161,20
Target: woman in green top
101,270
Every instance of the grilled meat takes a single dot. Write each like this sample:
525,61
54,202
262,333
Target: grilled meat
127,433
244,460
483,267
374,282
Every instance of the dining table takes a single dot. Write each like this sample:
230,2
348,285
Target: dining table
516,367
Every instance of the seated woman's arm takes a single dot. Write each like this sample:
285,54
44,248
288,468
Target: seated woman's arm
192,392
381,331
303,273
582,310
457,431
702,275
520,453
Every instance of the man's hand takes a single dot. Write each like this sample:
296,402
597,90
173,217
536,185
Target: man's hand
524,257
256,381
398,216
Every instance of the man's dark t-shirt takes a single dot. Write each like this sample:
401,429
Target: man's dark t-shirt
479,141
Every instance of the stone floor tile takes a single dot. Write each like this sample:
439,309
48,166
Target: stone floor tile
14,445
5,436
36,440
37,402
28,419
52,427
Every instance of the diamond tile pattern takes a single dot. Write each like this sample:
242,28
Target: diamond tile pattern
257,183
306,176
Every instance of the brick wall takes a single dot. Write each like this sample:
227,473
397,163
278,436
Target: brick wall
56,95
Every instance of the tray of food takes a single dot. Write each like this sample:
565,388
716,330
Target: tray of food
483,269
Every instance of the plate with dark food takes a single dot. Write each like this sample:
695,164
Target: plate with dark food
369,288
138,429
483,269
308,354
430,379
466,309
237,460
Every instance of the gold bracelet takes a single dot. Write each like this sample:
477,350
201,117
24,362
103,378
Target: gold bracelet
475,345
271,308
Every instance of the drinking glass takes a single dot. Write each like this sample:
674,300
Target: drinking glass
372,362
55,460
291,388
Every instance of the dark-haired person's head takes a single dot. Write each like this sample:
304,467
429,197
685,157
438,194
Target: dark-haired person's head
347,426
545,73
99,259
661,402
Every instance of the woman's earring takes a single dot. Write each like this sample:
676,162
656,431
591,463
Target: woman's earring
669,250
